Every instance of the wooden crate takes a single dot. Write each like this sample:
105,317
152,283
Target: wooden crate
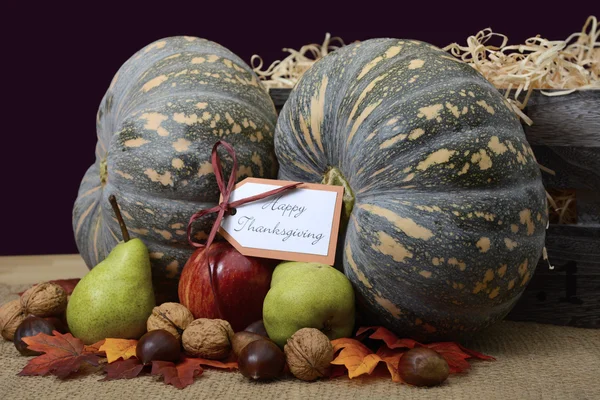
565,137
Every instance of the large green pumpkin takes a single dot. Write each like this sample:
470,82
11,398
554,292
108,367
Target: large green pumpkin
446,208
157,123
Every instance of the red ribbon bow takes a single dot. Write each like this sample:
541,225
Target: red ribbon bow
225,206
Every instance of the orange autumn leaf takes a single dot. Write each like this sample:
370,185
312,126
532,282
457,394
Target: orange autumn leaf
391,357
390,339
118,348
227,364
63,355
456,355
355,356
95,348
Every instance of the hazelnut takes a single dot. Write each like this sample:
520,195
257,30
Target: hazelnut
309,353
11,316
172,317
44,300
208,338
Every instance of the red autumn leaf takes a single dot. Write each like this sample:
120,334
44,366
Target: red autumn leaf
476,354
391,357
179,375
63,355
95,348
123,369
390,339
67,284
355,356
335,371
454,355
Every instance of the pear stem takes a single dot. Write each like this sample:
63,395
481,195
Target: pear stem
115,207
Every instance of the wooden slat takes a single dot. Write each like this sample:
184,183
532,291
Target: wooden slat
574,167
571,120
16,270
552,300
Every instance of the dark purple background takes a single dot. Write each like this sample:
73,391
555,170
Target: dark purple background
58,61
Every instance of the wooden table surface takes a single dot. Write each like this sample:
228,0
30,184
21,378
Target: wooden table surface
15,270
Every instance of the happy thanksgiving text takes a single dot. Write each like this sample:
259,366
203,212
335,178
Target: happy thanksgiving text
276,228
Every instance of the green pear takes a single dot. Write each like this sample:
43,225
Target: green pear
114,299
308,295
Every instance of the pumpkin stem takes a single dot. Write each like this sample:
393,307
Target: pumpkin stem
103,171
115,207
334,177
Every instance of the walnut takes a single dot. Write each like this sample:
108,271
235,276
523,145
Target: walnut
208,338
44,300
11,316
172,317
309,353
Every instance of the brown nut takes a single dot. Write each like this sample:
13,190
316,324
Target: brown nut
11,316
261,360
309,353
242,339
44,300
208,338
423,367
172,317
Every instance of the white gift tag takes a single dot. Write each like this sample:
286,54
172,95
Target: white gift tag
300,224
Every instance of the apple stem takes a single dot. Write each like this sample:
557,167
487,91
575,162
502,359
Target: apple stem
115,207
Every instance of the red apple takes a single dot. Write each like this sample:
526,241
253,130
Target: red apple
240,283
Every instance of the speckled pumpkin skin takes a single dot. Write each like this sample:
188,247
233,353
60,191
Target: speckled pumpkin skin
156,126
450,212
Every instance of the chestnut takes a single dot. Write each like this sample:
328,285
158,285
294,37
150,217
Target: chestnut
31,326
257,327
158,345
59,324
242,339
423,367
261,360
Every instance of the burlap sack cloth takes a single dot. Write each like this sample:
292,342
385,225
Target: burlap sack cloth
533,362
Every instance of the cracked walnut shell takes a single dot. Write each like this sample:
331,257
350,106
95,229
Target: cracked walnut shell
208,338
44,300
309,353
172,317
11,316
